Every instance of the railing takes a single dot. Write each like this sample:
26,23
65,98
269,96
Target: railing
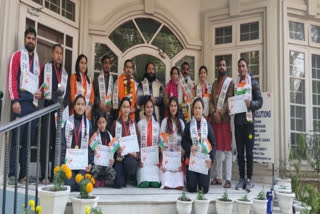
15,125
1,95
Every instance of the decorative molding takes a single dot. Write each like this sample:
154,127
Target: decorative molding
149,6
234,7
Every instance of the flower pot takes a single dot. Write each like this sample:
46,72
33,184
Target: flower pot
201,206
285,200
224,207
260,206
53,202
79,204
184,207
298,208
243,207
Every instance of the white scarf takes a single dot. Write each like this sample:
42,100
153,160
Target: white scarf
143,128
48,81
118,133
81,90
196,139
156,85
248,94
223,93
205,99
105,97
84,132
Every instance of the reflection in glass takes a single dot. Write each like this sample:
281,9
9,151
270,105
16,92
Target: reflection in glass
296,61
296,30
223,35
148,27
249,31
315,33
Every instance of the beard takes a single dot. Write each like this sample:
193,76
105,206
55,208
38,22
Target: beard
150,76
222,72
30,47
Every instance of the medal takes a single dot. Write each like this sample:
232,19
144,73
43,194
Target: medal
59,85
76,147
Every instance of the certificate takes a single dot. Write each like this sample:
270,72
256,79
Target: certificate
150,155
129,144
237,104
77,159
198,164
171,160
30,82
102,155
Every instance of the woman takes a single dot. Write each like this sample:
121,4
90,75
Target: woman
149,128
172,86
75,135
173,126
198,138
80,84
98,139
203,89
126,165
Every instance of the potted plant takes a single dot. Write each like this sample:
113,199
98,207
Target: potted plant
84,199
184,204
284,177
32,208
53,198
201,204
224,205
260,203
243,204
300,207
285,200
93,210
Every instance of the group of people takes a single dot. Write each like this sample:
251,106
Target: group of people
183,120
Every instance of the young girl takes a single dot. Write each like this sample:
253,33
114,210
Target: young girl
98,139
125,166
80,84
174,127
198,137
75,135
148,175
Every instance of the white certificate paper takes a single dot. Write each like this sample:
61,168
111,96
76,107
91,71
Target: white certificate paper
77,159
30,82
150,155
171,160
237,104
197,163
102,155
129,144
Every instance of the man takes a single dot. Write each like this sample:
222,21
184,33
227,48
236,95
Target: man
126,86
23,83
150,88
185,92
244,122
103,88
53,76
222,89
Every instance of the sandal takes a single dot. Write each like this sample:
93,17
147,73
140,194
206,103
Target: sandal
227,184
216,181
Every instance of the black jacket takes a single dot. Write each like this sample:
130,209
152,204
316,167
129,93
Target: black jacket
256,103
186,142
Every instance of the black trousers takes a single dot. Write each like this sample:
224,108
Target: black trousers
243,134
124,169
197,181
43,147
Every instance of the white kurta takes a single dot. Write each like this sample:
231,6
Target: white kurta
171,179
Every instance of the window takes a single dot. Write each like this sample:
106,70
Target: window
315,33
296,31
316,91
223,35
65,8
249,31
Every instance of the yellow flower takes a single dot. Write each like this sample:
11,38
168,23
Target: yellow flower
93,181
79,178
88,176
64,168
250,136
38,209
56,169
31,203
87,209
68,174
89,187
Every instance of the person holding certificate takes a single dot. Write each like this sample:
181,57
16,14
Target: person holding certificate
248,87
203,89
149,128
75,150
199,145
125,162
103,146
80,83
171,174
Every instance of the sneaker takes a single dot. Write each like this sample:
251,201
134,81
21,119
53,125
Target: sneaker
241,184
227,184
249,184
12,181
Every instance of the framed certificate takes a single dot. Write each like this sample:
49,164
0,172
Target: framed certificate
77,159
